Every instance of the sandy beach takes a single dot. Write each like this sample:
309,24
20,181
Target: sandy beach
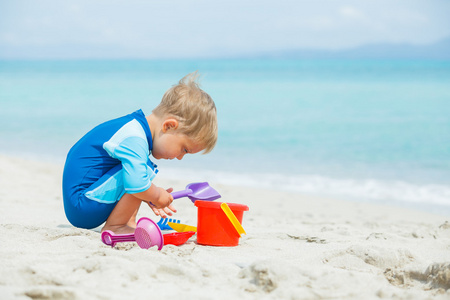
296,247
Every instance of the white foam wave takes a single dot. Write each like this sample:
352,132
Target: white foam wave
373,190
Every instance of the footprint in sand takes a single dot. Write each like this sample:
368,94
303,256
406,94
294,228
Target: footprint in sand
261,277
435,277
362,257
50,293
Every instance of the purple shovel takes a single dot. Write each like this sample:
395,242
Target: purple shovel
197,191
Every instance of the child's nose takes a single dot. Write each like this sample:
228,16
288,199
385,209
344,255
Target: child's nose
180,157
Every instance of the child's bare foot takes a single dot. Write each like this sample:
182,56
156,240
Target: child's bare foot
119,229
132,223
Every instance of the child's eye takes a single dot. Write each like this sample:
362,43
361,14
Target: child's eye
185,150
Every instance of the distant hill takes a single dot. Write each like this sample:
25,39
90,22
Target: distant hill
439,50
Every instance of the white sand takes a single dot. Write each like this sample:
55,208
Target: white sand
296,247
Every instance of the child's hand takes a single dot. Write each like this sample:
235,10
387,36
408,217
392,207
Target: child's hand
163,212
163,206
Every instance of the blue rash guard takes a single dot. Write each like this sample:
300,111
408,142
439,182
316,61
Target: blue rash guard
110,160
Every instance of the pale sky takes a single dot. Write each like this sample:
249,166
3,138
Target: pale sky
211,28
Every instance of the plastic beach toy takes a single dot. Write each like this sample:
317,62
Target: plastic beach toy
198,191
213,225
237,225
182,227
147,234
177,238
163,223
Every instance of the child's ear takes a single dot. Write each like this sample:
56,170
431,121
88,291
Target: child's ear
169,124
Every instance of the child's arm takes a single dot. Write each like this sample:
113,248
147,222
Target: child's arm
156,199
157,196
133,153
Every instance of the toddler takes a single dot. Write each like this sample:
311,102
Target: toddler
108,172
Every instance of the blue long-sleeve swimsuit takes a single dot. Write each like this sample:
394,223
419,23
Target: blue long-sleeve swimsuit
110,160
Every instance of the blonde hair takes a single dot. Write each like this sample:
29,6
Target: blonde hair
193,108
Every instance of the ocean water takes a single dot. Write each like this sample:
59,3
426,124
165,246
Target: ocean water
373,131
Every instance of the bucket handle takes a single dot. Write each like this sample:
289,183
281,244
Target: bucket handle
229,213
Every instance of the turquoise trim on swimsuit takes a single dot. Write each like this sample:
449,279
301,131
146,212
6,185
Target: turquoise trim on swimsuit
129,145
109,191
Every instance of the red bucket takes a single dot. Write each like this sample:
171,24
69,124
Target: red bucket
213,226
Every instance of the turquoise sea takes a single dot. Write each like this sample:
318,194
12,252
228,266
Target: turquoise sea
364,130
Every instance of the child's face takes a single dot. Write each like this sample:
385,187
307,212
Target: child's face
170,145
